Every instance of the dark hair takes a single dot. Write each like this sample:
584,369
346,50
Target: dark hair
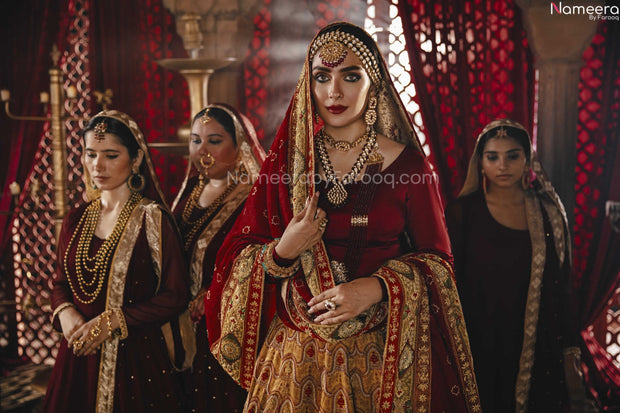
119,129
222,117
519,135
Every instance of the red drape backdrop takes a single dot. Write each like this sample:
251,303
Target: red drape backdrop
27,31
597,246
470,65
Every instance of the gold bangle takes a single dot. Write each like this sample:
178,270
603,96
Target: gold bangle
272,268
122,322
61,307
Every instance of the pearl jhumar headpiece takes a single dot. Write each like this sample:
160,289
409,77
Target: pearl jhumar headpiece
332,54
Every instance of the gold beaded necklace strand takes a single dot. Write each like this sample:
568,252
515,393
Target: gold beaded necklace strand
192,204
88,222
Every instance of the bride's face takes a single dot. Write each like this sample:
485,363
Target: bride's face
340,93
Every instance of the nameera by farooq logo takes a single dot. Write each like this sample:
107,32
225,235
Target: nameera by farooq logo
594,12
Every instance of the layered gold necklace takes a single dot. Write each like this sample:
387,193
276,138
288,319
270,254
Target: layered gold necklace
192,204
87,291
338,195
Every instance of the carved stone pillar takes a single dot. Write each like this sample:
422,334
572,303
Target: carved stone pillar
216,30
558,42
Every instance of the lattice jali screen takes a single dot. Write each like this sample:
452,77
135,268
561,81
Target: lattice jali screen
612,327
476,67
33,230
398,62
34,260
256,69
162,101
591,146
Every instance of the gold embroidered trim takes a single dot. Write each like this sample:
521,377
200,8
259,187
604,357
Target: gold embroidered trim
115,294
272,268
153,237
205,238
526,362
359,220
122,322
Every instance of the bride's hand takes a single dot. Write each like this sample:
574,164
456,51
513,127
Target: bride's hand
350,299
305,229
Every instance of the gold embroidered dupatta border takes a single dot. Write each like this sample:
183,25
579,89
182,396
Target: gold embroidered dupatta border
532,307
205,238
115,294
406,381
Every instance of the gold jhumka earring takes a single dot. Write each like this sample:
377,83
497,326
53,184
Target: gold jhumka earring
484,182
526,179
370,117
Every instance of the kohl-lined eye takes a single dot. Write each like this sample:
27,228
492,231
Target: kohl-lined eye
321,77
352,77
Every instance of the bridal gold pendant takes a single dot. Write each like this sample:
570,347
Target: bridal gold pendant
337,194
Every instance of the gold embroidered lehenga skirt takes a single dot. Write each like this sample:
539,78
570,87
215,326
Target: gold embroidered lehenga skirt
296,373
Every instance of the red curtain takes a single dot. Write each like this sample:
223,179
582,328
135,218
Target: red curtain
597,246
470,64
28,29
282,33
128,39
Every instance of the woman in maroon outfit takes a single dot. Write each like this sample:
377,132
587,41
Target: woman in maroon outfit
225,157
512,264
114,286
344,234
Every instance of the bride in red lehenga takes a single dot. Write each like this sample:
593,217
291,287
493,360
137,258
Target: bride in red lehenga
344,237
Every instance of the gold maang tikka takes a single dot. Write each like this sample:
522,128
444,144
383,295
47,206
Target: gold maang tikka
333,53
205,118
100,130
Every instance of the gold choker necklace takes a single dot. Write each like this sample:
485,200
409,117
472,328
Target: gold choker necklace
342,146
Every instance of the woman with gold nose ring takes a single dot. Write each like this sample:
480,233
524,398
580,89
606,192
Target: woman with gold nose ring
225,158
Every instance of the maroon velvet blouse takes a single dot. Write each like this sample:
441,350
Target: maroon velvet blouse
406,201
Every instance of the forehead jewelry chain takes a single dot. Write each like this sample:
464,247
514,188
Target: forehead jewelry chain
100,130
205,118
338,195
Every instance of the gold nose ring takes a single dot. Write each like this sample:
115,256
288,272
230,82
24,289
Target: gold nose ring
210,159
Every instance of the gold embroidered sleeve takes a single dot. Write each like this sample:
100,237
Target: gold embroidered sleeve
271,267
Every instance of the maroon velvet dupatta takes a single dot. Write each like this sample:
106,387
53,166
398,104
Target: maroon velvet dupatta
422,295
